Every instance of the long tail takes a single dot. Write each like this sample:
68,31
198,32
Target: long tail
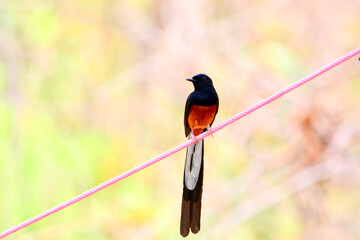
192,189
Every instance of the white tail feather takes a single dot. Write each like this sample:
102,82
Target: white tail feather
194,151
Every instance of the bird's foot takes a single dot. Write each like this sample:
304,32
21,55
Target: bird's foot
193,137
209,129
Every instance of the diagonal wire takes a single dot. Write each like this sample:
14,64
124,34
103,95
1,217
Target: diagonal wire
181,146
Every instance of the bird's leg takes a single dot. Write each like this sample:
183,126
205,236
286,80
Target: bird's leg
193,137
208,129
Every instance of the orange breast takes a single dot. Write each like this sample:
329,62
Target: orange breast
200,117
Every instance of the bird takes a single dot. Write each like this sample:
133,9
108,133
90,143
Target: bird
200,110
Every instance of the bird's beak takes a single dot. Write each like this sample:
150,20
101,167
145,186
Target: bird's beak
190,79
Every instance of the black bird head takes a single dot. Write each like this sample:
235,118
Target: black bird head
201,81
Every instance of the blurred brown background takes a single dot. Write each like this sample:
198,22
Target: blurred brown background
89,89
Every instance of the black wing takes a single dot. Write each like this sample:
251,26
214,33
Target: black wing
217,109
188,105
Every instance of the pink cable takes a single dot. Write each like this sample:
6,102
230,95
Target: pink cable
181,146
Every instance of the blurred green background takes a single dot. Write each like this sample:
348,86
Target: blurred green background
90,89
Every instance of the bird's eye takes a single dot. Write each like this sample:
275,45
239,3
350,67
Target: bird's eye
203,78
